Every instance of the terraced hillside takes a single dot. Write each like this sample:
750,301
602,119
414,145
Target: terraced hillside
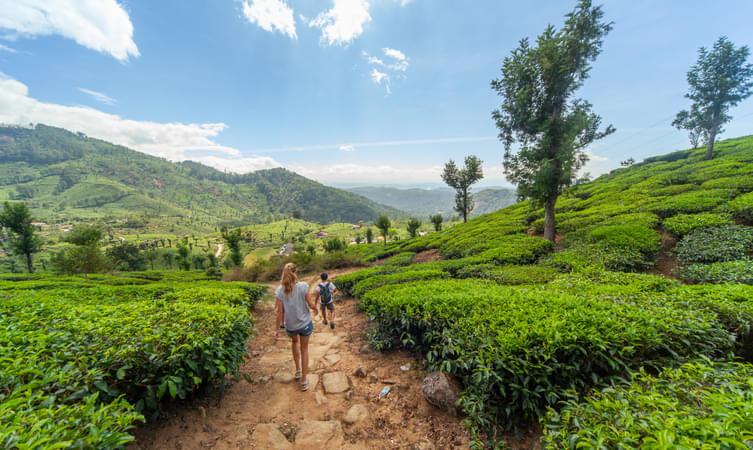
64,176
554,333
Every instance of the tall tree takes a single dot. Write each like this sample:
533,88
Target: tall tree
436,219
384,224
85,256
16,218
461,180
413,226
719,80
369,235
539,111
233,241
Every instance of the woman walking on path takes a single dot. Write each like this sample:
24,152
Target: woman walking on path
293,304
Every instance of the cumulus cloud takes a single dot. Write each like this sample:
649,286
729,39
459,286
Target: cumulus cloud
98,96
101,25
347,148
398,62
397,54
173,141
271,15
343,23
377,77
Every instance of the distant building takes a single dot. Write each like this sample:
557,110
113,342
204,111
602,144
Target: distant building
355,227
322,234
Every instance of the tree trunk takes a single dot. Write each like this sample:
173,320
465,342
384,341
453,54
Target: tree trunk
549,221
29,264
712,138
465,205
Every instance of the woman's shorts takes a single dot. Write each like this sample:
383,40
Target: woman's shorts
303,332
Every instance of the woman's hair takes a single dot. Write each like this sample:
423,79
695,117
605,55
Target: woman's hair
289,278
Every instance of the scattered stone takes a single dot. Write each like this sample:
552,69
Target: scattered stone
348,395
405,367
423,444
367,349
332,359
313,381
442,391
320,398
241,433
267,435
373,378
285,376
264,379
356,413
318,434
203,411
360,372
389,381
335,382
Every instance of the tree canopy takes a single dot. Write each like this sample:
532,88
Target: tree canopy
720,79
413,226
384,224
539,111
461,180
16,217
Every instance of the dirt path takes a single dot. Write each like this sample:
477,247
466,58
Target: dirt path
218,253
255,415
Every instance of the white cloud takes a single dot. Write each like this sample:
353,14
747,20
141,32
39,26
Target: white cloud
173,141
347,148
397,54
101,25
377,77
405,2
98,96
271,15
5,48
343,23
366,173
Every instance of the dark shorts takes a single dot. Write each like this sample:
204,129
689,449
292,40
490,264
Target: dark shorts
330,306
303,332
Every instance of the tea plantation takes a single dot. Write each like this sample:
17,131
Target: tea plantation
83,360
580,336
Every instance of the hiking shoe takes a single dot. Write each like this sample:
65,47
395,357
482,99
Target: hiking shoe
332,325
325,321
298,374
305,385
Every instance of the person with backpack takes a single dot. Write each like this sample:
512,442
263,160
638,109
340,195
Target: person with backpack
324,293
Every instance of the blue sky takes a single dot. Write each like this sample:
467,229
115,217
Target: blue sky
348,92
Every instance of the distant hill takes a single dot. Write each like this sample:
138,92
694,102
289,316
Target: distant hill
65,176
426,202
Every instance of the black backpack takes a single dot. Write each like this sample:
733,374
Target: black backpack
324,293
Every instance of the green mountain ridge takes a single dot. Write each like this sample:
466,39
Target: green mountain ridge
65,176
426,202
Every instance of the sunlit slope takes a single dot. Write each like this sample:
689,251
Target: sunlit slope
67,176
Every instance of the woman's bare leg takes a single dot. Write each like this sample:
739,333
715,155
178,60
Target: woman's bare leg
305,356
297,352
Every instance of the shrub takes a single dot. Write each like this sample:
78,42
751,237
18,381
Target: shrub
690,202
509,274
705,245
740,271
683,224
377,281
401,259
346,283
740,184
518,249
698,405
742,206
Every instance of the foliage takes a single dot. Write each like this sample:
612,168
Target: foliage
401,259
690,202
683,224
509,273
383,224
75,356
538,110
519,350
742,206
404,276
698,405
233,241
126,256
334,245
461,180
738,271
369,235
17,218
719,80
413,226
436,219
518,249
706,245
84,235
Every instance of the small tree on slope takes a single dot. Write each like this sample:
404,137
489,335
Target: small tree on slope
719,79
16,217
539,112
461,180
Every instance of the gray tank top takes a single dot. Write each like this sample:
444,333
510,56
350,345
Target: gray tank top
297,314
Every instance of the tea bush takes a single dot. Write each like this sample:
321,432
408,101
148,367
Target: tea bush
690,202
740,271
683,224
698,405
742,206
401,259
519,350
509,274
706,245
517,249
407,276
